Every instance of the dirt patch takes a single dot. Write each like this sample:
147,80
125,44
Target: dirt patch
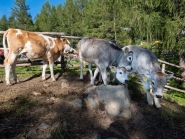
26,105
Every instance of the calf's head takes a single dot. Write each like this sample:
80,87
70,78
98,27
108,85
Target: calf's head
64,46
158,80
126,60
122,75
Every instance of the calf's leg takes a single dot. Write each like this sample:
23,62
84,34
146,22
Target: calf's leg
146,86
7,73
157,103
51,66
81,68
91,74
95,74
103,71
10,61
13,70
44,67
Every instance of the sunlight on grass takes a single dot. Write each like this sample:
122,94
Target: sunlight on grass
176,97
28,71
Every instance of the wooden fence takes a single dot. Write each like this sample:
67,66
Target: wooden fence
164,63
61,34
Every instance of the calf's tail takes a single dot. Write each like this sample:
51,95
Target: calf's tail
4,44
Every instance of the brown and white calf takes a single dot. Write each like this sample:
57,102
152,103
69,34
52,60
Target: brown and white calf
33,46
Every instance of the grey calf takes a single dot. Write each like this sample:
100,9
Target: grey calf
104,54
145,64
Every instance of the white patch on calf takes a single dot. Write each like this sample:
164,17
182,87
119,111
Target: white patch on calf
46,38
49,54
13,56
28,51
18,32
27,48
53,43
67,48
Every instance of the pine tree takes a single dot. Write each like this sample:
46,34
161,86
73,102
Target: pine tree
3,23
12,22
93,19
71,18
59,22
3,27
42,20
20,16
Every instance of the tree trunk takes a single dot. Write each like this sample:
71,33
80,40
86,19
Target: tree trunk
182,65
115,37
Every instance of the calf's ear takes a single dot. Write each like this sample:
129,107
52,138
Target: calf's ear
64,40
125,50
168,76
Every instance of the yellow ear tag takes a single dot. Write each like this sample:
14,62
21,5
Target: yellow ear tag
133,75
144,78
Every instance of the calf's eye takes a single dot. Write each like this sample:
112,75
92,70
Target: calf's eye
129,58
152,83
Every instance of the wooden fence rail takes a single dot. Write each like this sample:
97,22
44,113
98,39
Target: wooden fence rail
176,78
61,34
167,63
48,33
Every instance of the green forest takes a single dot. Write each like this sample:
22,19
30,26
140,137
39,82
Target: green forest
158,24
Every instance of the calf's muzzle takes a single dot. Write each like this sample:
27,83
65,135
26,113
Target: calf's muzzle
159,96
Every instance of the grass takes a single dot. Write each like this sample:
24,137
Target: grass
20,104
29,71
23,104
58,132
176,97
23,71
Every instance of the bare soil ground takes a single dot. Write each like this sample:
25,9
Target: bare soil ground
26,105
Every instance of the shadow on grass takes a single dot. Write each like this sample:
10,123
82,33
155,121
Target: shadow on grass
164,123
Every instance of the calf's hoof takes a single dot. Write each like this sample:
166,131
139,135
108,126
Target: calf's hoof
150,103
53,80
43,80
158,106
9,84
16,81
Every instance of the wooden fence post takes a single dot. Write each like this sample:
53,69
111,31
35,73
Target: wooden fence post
163,68
63,64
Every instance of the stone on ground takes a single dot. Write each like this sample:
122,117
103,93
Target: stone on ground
115,100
